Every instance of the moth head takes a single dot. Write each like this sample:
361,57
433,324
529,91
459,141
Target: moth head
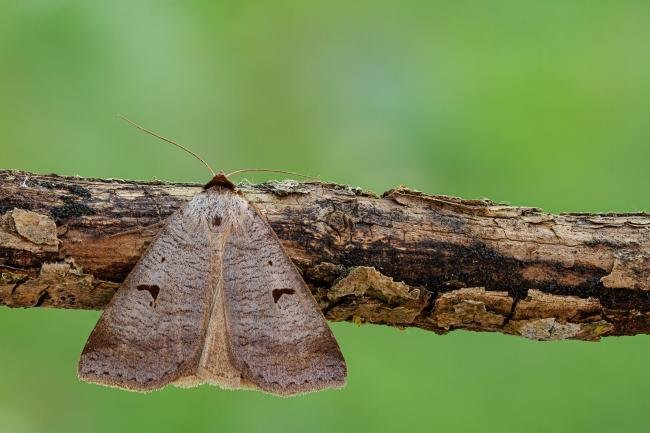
220,179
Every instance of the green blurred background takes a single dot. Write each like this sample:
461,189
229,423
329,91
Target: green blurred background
534,103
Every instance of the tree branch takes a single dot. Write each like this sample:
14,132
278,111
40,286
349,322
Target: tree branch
402,259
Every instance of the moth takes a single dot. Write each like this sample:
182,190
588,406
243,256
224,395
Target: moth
214,299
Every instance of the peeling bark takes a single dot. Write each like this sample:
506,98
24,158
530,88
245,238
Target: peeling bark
365,295
402,259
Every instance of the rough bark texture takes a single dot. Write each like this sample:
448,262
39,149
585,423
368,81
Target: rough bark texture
402,259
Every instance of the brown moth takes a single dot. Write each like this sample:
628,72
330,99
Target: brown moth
214,299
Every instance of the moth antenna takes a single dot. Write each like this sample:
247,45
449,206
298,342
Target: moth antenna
270,170
155,134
